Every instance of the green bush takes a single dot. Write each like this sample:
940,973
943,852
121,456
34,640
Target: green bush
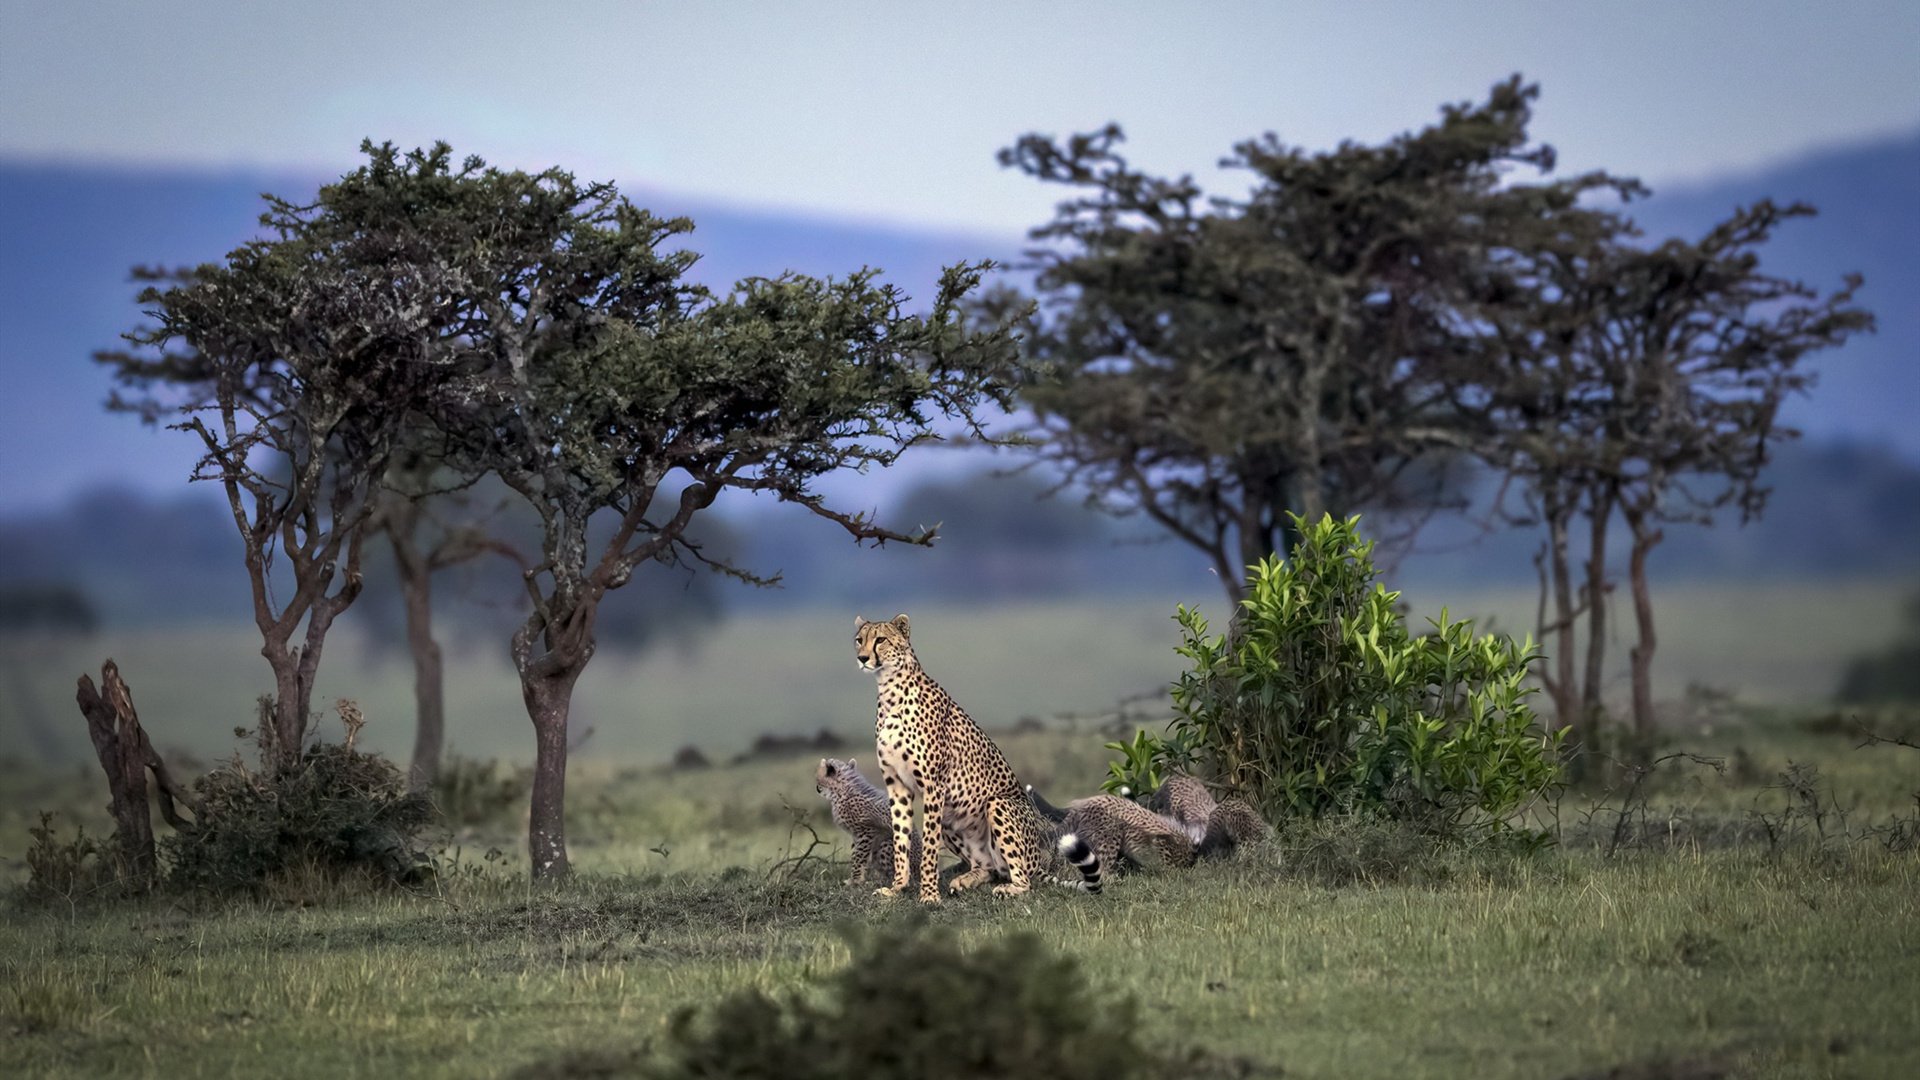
1144,763
338,813
912,1003
472,792
1318,701
58,868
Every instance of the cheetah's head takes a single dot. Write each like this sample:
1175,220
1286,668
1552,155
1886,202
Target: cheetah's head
882,644
834,774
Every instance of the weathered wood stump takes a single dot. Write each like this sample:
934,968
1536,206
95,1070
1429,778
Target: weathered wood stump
126,755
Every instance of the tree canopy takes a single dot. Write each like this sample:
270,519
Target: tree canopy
1223,361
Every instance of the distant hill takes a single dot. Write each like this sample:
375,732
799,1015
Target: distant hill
69,234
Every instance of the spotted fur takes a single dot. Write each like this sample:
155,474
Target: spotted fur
1232,823
1187,802
861,809
931,750
1117,828
1215,827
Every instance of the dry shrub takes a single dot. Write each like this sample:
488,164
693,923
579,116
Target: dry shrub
338,813
58,868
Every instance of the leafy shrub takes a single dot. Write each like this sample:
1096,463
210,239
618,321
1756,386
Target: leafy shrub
912,1003
471,792
339,812
1318,701
1144,762
64,868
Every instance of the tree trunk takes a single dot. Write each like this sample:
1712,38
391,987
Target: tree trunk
291,703
549,701
1591,707
122,749
1564,617
429,682
1641,657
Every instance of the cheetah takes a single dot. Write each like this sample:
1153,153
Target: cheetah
1232,823
1186,801
931,749
1215,827
858,807
1115,827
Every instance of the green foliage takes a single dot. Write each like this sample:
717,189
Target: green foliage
1144,761
1291,346
337,812
1318,701
472,792
911,1002
64,868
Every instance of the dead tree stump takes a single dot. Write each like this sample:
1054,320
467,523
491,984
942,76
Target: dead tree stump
126,755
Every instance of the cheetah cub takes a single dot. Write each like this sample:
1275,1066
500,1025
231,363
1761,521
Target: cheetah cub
1116,828
861,809
1215,827
931,750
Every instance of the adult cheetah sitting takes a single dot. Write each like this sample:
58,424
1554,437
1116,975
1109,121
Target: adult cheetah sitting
930,749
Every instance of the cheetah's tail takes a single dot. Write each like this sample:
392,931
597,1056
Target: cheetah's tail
1083,860
1046,809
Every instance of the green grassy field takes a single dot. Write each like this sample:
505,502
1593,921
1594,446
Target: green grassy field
1697,944
1683,939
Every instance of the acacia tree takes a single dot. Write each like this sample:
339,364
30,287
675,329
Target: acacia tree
412,515
1532,390
1696,352
1643,380
600,385
295,363
1223,362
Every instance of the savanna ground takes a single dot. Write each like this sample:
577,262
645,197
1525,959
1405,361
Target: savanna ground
1723,928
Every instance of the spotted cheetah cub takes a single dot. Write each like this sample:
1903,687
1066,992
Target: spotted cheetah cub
859,808
931,750
1214,826
1117,828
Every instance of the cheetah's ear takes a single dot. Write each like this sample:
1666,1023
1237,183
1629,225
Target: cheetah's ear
859,621
900,624
827,764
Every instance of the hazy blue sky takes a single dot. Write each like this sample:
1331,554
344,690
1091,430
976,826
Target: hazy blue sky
892,111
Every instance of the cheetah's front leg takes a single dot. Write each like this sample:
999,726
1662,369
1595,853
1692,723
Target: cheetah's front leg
1015,845
862,855
900,816
933,804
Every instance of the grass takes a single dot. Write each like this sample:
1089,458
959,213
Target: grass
1337,952
791,671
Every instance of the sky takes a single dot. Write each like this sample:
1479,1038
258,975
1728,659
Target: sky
892,113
